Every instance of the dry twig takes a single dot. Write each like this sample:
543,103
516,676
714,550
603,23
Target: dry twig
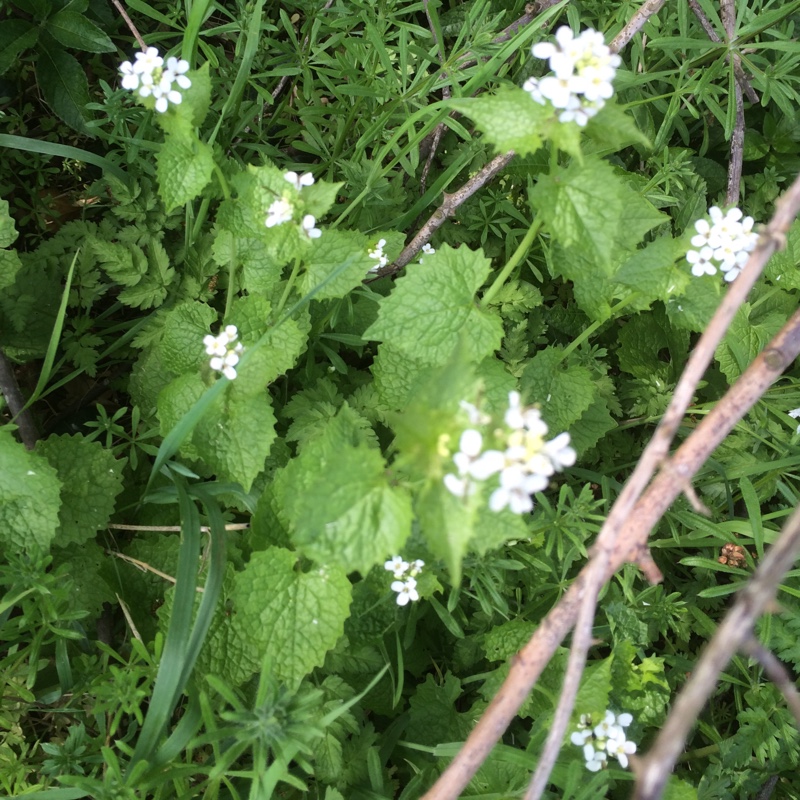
21,416
737,135
653,770
124,14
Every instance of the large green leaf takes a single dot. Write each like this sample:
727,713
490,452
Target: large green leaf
64,86
73,30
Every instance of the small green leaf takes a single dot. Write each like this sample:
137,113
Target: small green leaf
185,325
91,479
29,497
64,86
184,170
74,30
328,253
651,271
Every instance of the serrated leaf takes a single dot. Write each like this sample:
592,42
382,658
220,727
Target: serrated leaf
30,497
561,389
181,345
510,120
593,425
64,86
747,335
652,272
125,264
357,519
433,717
91,479
432,310
612,129
503,641
329,253
16,35
151,290
292,617
396,375
8,229
259,272
183,118
74,30
184,169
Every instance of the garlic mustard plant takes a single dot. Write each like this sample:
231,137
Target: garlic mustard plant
583,72
523,467
279,212
607,738
405,573
148,76
725,243
224,351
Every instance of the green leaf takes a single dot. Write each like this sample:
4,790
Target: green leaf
290,617
357,519
433,717
613,129
124,263
194,105
10,264
510,120
181,346
91,479
29,497
151,290
16,35
329,252
503,641
432,309
651,271
184,169
64,87
677,789
561,389
582,205
74,30
747,335
259,272
8,229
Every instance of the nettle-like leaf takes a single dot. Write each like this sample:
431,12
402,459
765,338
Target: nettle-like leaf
194,105
91,479
329,253
10,264
30,497
185,325
648,343
749,331
260,274
151,290
184,165
357,519
433,717
653,274
432,309
290,617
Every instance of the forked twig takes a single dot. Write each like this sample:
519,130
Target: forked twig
653,770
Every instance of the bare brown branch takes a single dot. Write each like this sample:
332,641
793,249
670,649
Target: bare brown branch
124,14
737,135
654,769
636,23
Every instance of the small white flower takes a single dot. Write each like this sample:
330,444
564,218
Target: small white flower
148,61
619,747
701,261
794,414
460,487
559,452
299,181
531,86
607,727
580,738
428,250
130,78
396,566
176,70
308,227
379,256
595,759
224,351
406,591
279,212
416,567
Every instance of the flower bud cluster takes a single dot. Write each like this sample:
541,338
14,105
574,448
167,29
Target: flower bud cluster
524,466
405,574
725,243
583,67
150,78
282,210
224,353
604,740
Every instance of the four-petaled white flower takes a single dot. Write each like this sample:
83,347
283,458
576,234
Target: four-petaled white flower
397,566
619,747
299,181
406,591
279,212
224,351
428,250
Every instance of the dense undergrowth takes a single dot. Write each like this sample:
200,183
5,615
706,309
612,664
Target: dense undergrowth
297,670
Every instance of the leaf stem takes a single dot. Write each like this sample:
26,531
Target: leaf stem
289,284
519,254
587,332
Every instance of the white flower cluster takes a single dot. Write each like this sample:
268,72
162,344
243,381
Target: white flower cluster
282,210
583,67
224,353
725,243
148,75
379,256
524,467
603,740
405,574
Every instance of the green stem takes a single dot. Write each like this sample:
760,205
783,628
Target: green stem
289,285
701,752
587,332
232,269
519,254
